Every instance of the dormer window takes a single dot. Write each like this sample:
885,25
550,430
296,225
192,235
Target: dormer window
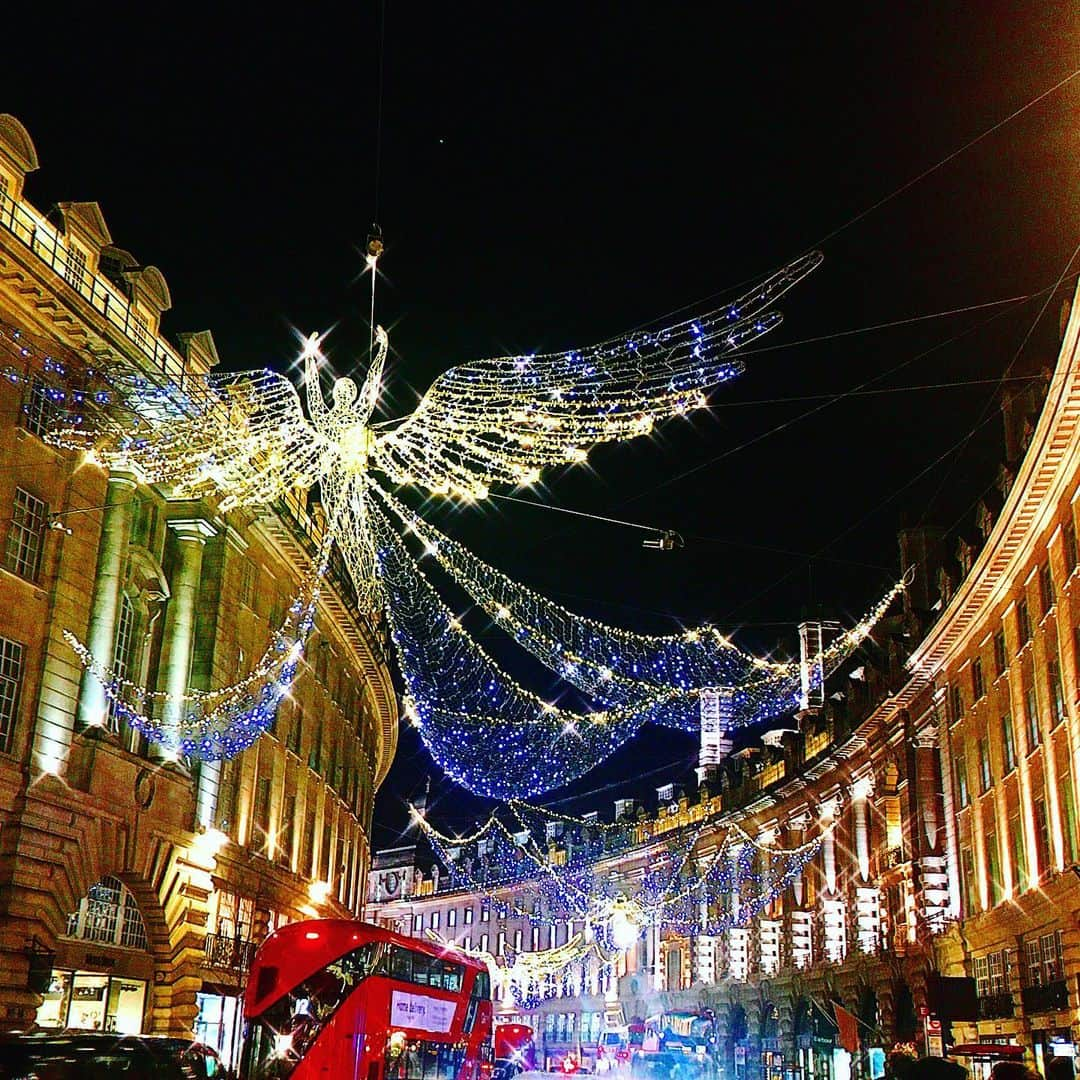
666,793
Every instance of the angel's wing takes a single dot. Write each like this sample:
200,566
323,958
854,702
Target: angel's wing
240,437
502,421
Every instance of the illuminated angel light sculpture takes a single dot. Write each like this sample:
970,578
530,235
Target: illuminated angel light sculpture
244,440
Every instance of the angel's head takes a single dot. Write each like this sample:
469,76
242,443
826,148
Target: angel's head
344,393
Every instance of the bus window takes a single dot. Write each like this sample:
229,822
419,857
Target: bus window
418,1059
401,966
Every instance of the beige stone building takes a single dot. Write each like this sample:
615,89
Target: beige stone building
134,885
948,761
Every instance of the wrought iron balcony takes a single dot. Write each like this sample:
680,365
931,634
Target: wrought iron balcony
1049,998
232,953
996,1006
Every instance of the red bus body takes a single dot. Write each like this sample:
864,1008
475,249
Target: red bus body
343,999
516,1042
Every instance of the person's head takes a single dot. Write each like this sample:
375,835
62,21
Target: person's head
1059,1068
1013,1070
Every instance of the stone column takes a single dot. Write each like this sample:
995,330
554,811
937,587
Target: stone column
105,600
860,793
178,646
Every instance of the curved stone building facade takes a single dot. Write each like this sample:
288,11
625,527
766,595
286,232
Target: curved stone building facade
947,763
135,886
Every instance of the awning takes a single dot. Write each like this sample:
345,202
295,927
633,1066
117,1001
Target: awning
987,1050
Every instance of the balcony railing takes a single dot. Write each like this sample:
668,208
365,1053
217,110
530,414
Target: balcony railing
996,1006
234,954
43,239
1049,998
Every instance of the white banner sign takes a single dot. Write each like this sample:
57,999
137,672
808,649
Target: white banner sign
421,1012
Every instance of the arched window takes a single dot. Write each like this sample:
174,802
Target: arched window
109,914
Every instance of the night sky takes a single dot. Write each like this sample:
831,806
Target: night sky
553,174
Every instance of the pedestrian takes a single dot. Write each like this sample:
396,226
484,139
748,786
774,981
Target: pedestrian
1060,1068
1013,1070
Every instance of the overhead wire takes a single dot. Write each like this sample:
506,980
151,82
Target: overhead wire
896,192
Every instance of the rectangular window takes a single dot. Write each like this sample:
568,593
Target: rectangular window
977,685
315,749
1008,746
536,939
225,813
1042,837
324,851
485,913
139,326
501,950
1046,587
261,812
993,868
1023,622
517,941
435,920
967,862
986,775
307,856
296,729
1031,707
288,831
960,767
39,410
1033,958
26,535
11,671
75,268
417,924
123,655
1001,661
1019,856
1057,694
999,972
980,968
483,943
1050,947
468,916
1068,545
247,583
1068,812
956,703
451,917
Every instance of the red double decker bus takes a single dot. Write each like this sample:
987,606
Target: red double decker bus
332,997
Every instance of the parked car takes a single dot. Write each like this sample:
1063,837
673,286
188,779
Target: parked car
94,1055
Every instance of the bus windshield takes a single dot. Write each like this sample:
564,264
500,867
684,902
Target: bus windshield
287,1029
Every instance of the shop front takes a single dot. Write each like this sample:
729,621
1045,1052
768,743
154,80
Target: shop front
93,1001
103,970
1051,1042
219,1022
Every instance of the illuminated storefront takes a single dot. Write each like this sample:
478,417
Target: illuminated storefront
92,1001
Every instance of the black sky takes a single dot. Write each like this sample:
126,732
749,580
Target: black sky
555,173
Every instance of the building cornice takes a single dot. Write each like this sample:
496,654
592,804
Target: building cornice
1048,466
